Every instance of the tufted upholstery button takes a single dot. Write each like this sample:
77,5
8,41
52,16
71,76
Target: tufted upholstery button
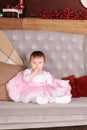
81,66
63,38
64,57
51,39
34,47
69,48
39,38
76,57
14,37
27,38
21,47
58,48
80,48
74,39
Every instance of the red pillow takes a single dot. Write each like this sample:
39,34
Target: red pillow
72,84
81,85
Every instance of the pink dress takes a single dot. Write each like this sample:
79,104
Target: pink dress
20,87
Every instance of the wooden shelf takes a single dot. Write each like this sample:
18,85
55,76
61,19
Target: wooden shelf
69,26
10,23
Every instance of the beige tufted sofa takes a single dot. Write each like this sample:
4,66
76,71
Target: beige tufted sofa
66,55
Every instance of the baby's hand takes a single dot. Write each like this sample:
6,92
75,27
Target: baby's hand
49,87
33,74
36,71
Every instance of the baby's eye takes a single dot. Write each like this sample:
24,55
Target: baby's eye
40,62
34,62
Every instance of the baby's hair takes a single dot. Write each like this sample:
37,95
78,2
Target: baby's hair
37,54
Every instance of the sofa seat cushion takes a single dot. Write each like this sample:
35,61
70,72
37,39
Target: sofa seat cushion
21,115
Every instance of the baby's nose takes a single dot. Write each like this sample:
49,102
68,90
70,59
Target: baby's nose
37,65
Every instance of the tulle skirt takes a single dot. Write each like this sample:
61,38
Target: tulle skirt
19,90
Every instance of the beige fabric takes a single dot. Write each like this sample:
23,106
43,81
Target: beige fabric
8,53
7,71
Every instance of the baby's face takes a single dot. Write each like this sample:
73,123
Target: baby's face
37,63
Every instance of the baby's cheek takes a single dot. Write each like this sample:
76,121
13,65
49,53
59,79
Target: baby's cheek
41,68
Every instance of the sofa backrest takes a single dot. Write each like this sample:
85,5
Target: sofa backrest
65,53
